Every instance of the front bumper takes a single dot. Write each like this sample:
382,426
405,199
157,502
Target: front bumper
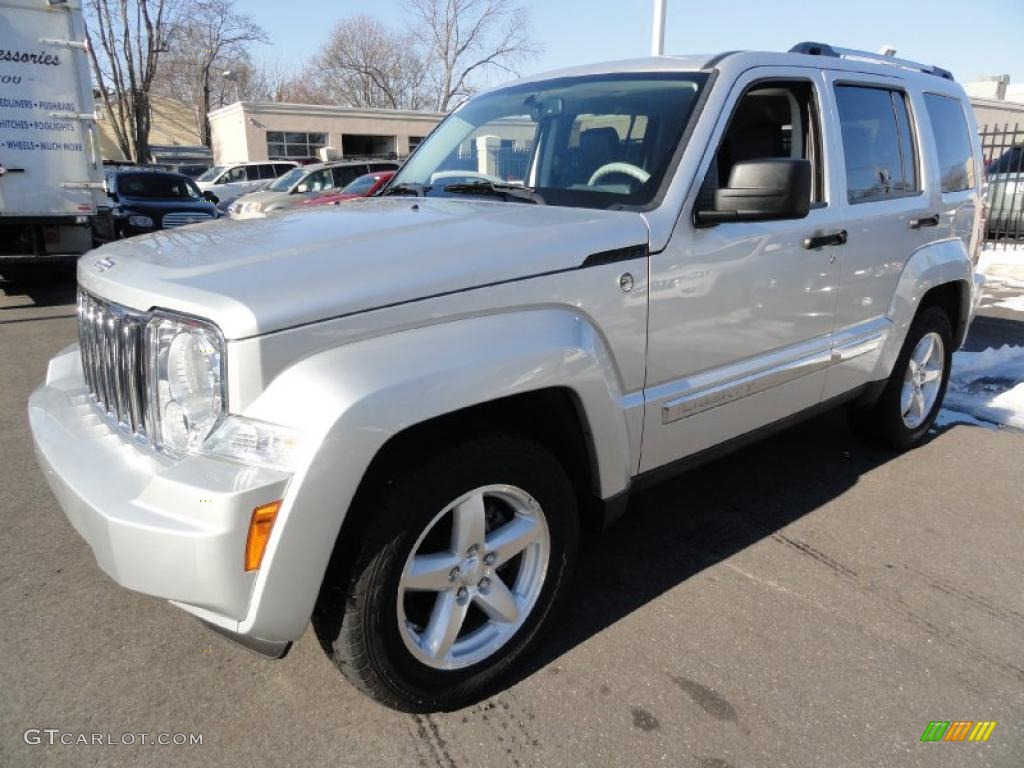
174,530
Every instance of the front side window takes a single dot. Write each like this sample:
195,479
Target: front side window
878,143
772,120
235,174
286,182
317,181
596,141
952,142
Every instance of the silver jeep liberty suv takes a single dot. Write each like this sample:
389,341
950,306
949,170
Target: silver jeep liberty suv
395,417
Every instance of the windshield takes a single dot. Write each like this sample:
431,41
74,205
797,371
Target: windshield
286,182
157,186
596,141
362,185
213,173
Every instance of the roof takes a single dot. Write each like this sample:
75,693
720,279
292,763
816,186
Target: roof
801,56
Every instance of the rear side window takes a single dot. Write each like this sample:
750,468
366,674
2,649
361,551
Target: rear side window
252,172
280,169
952,142
878,143
346,174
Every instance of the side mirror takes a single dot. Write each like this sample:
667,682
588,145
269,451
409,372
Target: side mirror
762,190
112,195
210,197
302,189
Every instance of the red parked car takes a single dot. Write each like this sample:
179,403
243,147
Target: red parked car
364,186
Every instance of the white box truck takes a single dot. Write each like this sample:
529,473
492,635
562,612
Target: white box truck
51,172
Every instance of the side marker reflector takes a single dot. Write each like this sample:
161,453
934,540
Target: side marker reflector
259,533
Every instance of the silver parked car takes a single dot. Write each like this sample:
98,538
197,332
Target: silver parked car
303,183
396,416
231,181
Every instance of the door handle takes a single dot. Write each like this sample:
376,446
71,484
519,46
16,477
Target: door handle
925,221
5,171
820,241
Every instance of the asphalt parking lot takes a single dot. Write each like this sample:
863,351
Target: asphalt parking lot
806,602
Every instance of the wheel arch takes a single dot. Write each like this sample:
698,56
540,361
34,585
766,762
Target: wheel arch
372,399
939,274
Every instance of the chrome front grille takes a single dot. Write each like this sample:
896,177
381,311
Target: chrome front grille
181,218
112,339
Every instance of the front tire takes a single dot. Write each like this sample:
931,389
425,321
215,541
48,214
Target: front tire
913,394
459,569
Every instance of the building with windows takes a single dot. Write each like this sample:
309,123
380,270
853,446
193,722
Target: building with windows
246,131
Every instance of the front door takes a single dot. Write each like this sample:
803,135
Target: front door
741,314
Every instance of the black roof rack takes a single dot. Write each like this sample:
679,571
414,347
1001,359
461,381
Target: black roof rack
824,49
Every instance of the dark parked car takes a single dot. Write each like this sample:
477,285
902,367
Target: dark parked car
145,201
1006,194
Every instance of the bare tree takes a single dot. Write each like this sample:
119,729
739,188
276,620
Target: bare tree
132,36
469,39
365,64
211,38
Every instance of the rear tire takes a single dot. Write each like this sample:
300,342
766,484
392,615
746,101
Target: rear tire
419,633
914,391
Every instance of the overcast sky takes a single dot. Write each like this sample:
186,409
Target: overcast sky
970,37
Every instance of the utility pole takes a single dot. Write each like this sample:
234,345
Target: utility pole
658,33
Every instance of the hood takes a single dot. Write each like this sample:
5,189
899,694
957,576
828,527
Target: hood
152,205
260,275
329,198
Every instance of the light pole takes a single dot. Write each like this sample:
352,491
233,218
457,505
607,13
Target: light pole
232,76
658,32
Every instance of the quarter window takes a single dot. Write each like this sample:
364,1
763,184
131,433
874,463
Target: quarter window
952,141
878,143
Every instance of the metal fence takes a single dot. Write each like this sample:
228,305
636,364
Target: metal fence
1003,149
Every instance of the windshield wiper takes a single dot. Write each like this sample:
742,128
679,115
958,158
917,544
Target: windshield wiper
508,191
405,188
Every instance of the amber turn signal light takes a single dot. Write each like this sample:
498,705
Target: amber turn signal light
259,533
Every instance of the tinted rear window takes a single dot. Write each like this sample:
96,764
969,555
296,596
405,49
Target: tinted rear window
878,143
952,142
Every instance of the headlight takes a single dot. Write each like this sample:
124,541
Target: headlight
186,359
140,221
253,207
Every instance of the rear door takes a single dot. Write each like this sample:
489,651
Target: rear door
47,147
889,206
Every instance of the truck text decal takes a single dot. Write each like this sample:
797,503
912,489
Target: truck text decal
49,59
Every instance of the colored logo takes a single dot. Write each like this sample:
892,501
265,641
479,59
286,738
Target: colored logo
958,730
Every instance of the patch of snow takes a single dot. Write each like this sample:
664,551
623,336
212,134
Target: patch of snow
988,386
948,418
1016,303
1003,264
